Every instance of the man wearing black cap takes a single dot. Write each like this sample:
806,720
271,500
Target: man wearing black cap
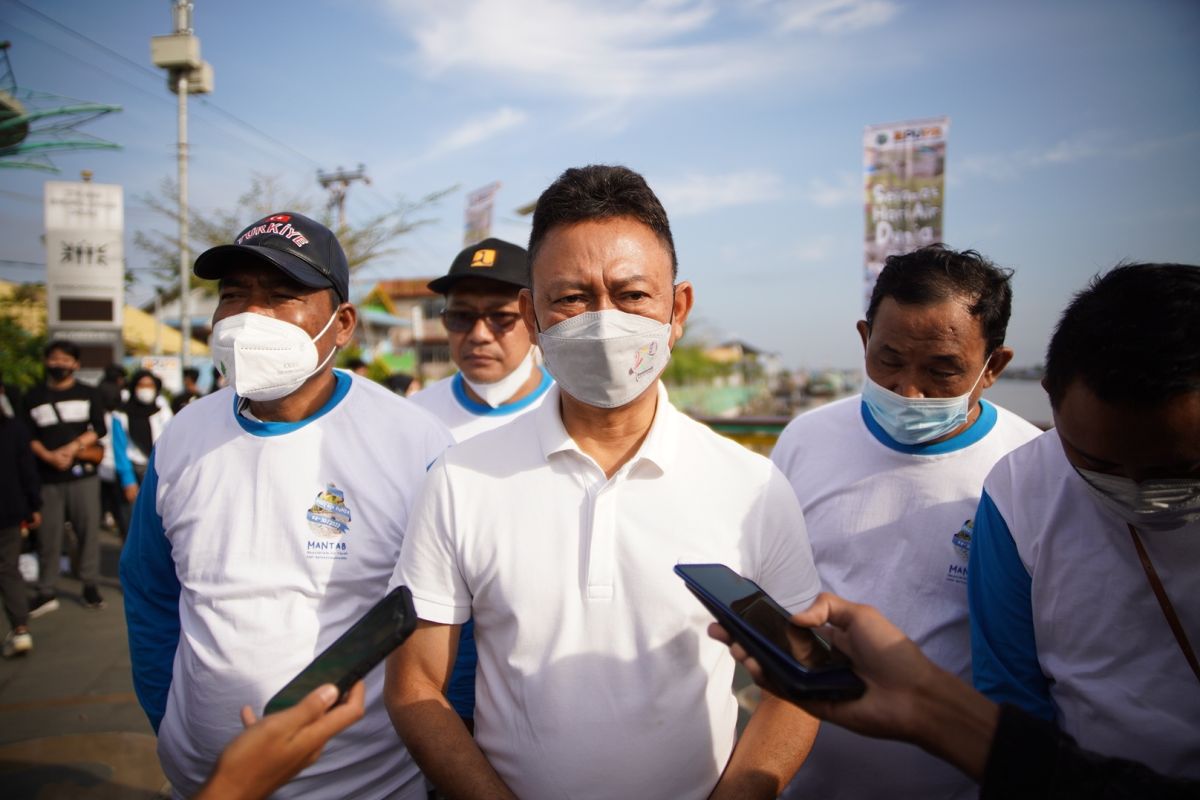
499,377
271,516
498,380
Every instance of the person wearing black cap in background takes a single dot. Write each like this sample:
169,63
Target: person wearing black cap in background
499,378
499,375
270,517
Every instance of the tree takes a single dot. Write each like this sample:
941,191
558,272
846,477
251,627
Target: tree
21,364
374,239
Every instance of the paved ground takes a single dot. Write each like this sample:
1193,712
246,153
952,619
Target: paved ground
70,726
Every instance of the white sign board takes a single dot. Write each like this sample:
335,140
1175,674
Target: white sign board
85,258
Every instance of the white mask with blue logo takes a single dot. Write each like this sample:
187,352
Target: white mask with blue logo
916,420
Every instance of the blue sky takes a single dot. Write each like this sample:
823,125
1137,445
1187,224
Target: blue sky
1075,128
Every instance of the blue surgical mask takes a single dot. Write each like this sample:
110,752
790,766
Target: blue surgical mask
915,420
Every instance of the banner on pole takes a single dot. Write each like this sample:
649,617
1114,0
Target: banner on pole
479,214
904,168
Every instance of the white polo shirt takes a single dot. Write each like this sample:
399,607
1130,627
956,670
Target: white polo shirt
448,400
890,525
596,676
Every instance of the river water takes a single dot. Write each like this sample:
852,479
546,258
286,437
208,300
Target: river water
1024,398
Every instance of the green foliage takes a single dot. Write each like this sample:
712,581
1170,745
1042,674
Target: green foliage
21,365
689,365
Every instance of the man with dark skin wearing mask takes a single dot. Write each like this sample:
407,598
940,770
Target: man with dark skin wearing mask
271,517
66,420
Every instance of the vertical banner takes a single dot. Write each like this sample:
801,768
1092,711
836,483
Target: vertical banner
85,266
479,214
904,168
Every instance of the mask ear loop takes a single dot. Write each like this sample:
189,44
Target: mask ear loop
325,361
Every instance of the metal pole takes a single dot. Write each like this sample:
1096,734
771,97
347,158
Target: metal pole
158,323
185,306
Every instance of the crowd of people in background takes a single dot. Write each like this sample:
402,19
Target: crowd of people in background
536,501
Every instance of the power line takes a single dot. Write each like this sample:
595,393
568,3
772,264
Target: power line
157,78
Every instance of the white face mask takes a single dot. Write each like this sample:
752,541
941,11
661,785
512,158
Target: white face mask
606,358
145,396
1155,505
264,358
915,420
499,392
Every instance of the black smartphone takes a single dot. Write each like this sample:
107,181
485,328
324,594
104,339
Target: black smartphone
356,652
797,663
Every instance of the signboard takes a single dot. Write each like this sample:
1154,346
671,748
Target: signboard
85,259
479,214
168,369
904,167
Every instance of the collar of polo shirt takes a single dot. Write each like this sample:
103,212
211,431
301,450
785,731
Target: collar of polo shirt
659,447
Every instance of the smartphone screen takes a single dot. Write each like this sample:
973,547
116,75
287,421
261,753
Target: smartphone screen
356,652
759,611
797,663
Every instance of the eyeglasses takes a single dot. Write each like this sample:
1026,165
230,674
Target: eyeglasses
458,321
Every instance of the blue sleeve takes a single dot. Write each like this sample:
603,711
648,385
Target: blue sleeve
1003,648
151,601
120,448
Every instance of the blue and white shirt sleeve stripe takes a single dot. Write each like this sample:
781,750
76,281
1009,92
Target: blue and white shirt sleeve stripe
151,601
1004,659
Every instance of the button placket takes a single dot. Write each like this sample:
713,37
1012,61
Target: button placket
602,542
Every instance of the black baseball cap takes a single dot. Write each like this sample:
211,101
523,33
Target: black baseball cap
494,259
303,249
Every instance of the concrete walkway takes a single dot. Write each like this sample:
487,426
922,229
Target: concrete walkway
70,725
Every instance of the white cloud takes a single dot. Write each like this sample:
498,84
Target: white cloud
599,51
1080,147
815,250
480,129
698,194
835,16
847,190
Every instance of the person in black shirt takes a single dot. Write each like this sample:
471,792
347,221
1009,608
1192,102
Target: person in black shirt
20,499
66,421
191,389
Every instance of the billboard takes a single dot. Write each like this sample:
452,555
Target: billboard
479,214
85,259
904,168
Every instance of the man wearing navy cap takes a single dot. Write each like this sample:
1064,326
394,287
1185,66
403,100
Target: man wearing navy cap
499,378
271,517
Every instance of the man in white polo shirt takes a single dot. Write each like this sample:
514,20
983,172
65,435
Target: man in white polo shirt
889,481
271,516
499,378
1085,568
558,534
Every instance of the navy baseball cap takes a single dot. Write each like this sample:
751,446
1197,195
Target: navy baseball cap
494,259
303,249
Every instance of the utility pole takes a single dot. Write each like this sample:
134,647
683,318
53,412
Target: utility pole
179,54
337,183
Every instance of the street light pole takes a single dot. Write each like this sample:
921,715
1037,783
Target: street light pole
179,54
185,300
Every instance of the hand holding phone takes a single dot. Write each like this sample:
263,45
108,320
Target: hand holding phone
797,663
356,652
